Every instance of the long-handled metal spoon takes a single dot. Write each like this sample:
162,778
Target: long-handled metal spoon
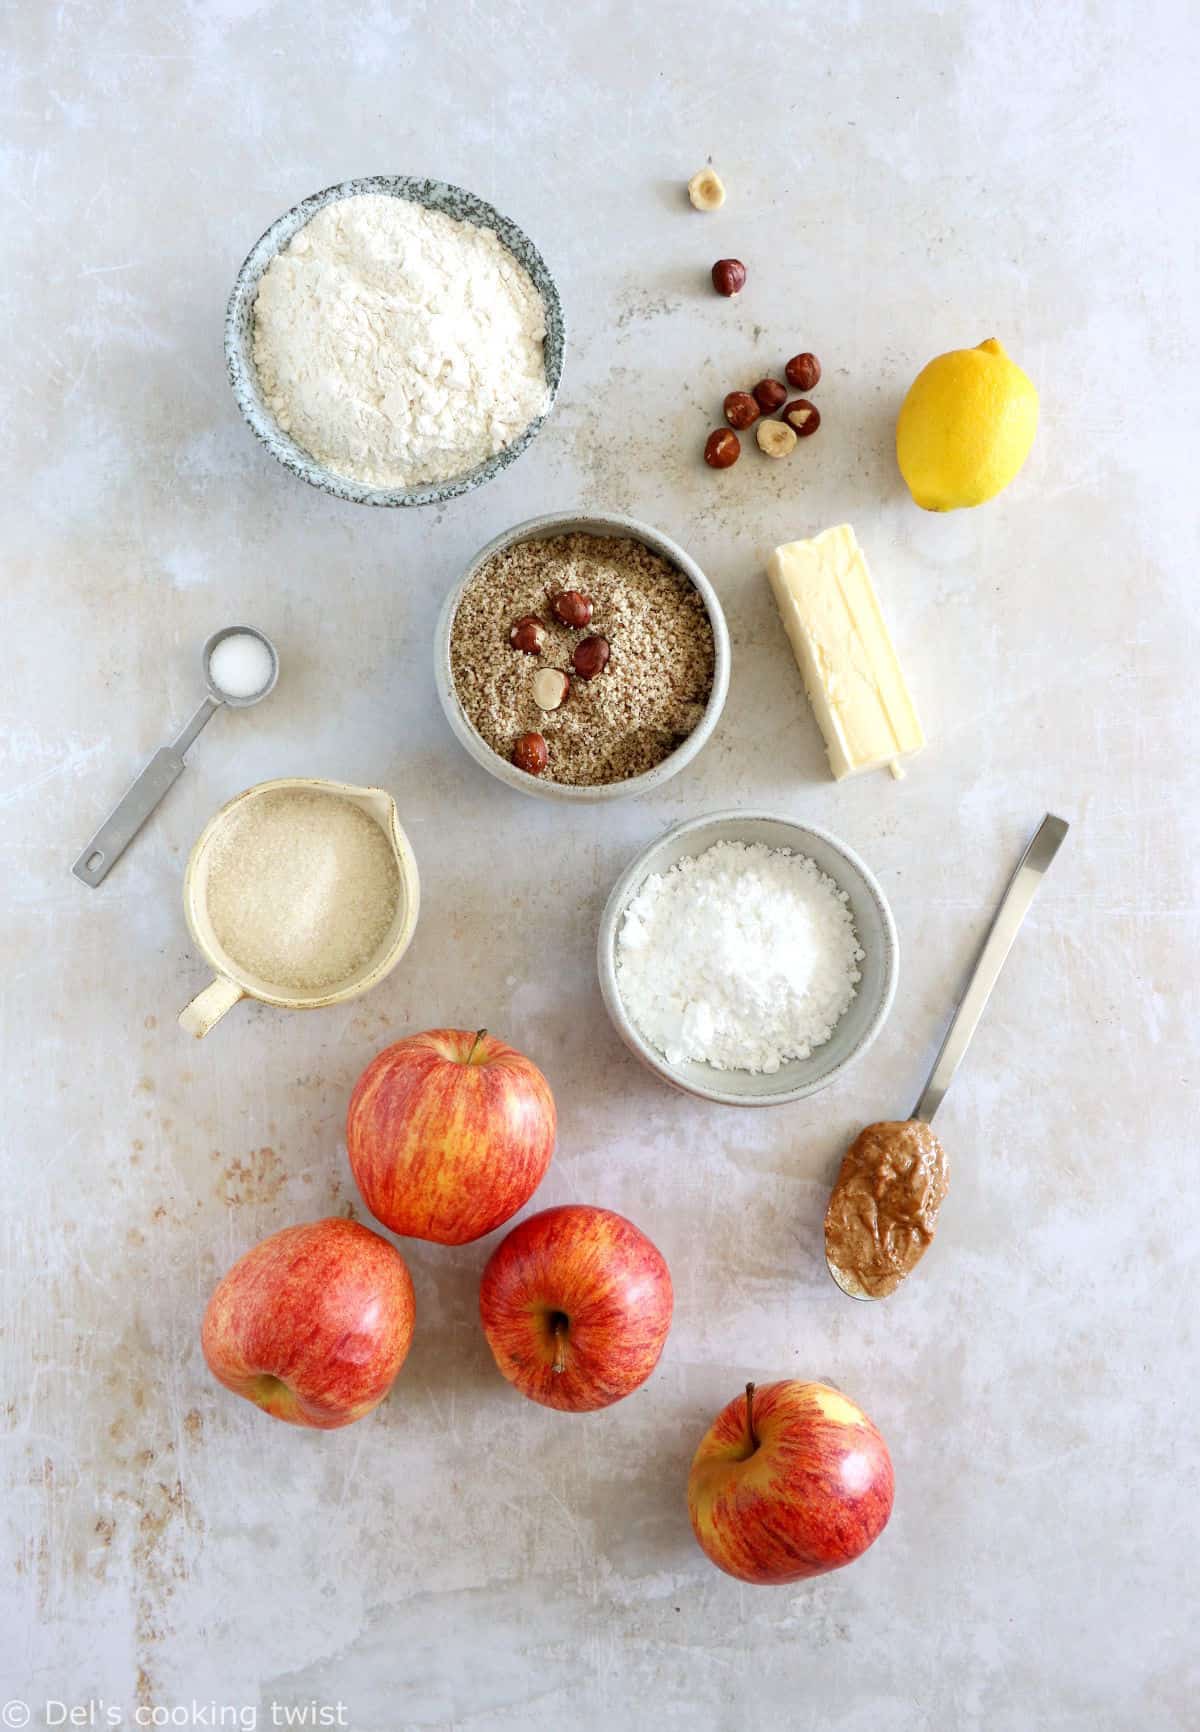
1004,928
166,766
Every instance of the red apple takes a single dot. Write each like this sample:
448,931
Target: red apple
449,1133
576,1305
790,1481
312,1324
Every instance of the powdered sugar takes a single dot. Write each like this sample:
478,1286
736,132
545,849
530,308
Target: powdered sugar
398,345
742,957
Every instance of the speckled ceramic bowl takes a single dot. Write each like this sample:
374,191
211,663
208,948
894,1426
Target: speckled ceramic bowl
572,523
438,195
868,1010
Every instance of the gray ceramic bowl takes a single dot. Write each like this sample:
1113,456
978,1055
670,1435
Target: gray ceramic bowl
239,335
570,523
876,934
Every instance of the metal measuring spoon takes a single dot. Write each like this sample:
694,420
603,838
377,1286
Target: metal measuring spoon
1013,908
166,766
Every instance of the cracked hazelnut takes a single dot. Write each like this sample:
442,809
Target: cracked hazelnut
531,754
729,276
741,410
803,371
550,688
706,189
722,449
775,438
528,635
770,395
571,607
803,418
590,657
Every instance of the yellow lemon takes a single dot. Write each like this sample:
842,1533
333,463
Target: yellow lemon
965,427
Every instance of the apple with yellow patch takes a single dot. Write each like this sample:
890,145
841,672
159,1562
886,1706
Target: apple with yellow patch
791,1480
312,1324
449,1133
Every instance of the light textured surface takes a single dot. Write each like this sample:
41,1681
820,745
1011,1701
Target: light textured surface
900,181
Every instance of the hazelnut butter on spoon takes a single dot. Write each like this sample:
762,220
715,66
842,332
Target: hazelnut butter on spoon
883,1211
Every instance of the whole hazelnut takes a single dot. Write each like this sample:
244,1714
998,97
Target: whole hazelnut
528,635
550,688
802,417
775,439
803,371
571,607
722,449
531,754
729,276
741,410
706,189
590,657
769,394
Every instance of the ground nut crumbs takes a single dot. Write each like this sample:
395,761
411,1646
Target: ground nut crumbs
651,693
742,957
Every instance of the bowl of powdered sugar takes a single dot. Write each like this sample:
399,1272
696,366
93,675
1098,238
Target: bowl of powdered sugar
394,341
748,959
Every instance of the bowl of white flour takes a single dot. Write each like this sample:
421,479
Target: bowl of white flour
394,341
747,959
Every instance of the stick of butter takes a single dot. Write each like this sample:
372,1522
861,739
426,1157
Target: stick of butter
846,658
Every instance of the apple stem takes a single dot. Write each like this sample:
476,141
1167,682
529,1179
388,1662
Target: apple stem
480,1035
560,1348
750,1417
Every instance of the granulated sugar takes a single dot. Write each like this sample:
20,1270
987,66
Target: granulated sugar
742,957
302,889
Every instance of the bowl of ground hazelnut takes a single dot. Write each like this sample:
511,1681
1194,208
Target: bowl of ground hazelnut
582,658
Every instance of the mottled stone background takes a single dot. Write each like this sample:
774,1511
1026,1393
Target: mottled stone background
901,180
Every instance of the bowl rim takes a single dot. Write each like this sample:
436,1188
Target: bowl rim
606,945
587,523
415,189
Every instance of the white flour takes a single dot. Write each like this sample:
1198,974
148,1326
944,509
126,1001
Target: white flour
397,345
742,957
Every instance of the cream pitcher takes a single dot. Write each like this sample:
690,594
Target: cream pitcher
267,829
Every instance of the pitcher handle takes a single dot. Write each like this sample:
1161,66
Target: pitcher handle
209,1006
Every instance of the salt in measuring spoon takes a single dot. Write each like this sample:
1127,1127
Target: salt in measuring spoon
237,664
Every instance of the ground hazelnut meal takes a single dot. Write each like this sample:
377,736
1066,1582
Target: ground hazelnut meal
651,693
302,889
742,957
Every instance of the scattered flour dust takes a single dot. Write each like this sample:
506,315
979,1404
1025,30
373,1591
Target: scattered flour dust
742,957
398,345
302,889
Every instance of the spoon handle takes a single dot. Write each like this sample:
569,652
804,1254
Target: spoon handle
1004,928
126,819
